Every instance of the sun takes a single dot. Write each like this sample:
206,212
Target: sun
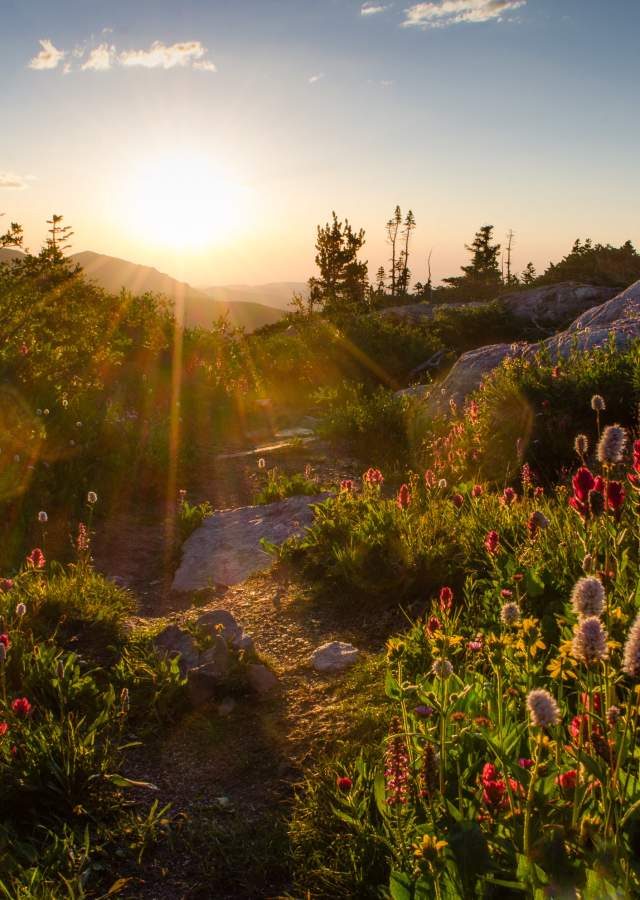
187,203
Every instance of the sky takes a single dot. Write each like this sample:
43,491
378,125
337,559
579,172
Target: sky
209,138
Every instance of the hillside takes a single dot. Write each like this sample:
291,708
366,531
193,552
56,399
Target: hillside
277,294
113,274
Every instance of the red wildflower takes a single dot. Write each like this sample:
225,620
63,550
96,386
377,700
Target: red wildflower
433,625
457,500
404,497
6,584
344,784
582,482
446,599
373,477
615,497
518,576
567,780
489,773
430,478
477,490
509,496
3,728
21,707
538,492
492,542
24,349
346,485
505,593
36,558
525,763
597,701
4,639
578,723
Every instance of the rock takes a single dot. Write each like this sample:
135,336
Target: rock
203,683
231,631
553,305
226,707
261,679
216,656
119,581
336,656
173,641
226,548
416,313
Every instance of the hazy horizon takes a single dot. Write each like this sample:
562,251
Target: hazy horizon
139,123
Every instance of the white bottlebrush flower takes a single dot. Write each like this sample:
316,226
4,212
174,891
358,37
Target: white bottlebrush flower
21,609
262,463
42,517
587,597
597,403
510,613
631,658
590,640
611,446
92,497
543,709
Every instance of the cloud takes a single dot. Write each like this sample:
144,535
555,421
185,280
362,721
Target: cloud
11,180
48,58
161,56
105,56
315,78
99,59
442,13
372,8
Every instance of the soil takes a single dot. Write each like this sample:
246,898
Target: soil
228,770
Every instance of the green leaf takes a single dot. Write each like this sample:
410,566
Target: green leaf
401,886
122,782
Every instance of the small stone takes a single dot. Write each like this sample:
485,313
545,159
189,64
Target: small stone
173,641
219,621
336,656
261,679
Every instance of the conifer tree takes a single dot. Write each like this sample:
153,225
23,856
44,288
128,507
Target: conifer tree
341,288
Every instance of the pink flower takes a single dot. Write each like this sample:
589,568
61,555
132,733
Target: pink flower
538,492
24,349
525,763
474,646
433,625
404,497
3,728
346,485
430,478
509,496
4,639
457,500
36,558
477,491
344,784
615,497
505,593
492,542
446,599
373,477
567,780
21,707
6,584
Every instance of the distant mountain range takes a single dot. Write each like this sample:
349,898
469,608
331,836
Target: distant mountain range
202,307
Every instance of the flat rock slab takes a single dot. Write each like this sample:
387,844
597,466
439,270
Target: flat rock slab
226,548
336,656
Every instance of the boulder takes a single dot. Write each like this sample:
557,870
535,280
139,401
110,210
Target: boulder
216,657
226,548
261,679
203,683
336,656
553,305
173,641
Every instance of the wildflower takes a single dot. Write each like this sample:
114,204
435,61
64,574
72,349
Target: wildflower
373,477
6,584
36,558
587,563
615,497
596,503
442,668
442,484
5,641
505,593
92,497
566,781
404,497
473,410
510,613
543,709
590,640
430,478
182,494
423,711
429,774
483,722
525,476
82,541
433,624
538,492
429,848
581,444
477,491
24,349
457,500
509,496
43,517
396,766
446,599
21,609
613,714
21,707
344,784
536,522
555,372
631,658
525,763
611,445
587,597
597,403
579,724
518,576
3,728
346,485
474,646
492,542
582,482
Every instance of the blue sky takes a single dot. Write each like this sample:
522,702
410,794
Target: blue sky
253,119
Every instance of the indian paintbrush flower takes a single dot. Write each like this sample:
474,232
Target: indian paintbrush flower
404,497
36,558
446,599
492,542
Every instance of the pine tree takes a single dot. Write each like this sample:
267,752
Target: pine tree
482,276
393,228
341,288
404,274
529,274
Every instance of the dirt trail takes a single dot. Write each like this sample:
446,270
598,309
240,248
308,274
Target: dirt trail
228,775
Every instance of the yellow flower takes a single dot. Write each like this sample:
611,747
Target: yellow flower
429,848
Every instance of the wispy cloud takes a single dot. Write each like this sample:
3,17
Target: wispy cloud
105,56
11,180
48,58
372,8
442,13
315,78
99,59
163,56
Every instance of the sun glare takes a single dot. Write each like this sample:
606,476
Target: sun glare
187,203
